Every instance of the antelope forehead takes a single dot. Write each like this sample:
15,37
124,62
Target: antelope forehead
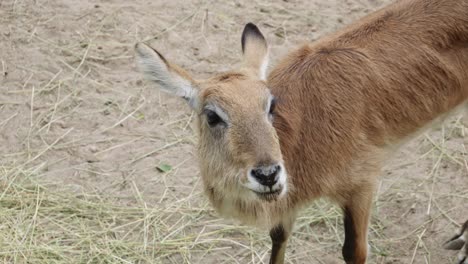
238,108
236,105
231,86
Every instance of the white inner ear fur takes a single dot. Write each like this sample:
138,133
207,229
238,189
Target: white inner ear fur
156,70
264,67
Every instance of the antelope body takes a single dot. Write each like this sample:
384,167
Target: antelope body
326,118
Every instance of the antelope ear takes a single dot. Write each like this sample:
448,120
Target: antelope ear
255,50
170,77
455,243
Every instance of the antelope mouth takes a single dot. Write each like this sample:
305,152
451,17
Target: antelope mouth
269,195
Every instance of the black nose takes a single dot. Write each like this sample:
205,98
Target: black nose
266,175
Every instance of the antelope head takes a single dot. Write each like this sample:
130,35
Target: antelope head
238,149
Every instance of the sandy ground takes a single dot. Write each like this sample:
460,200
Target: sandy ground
74,111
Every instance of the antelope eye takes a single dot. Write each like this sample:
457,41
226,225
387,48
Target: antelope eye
212,118
272,106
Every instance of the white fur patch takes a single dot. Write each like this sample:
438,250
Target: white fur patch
462,255
283,180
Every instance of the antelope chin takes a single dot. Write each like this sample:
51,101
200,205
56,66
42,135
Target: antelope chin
269,195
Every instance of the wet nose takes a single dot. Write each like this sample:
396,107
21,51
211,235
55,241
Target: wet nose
266,175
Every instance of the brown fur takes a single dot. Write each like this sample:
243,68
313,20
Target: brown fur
345,103
350,96
367,88
360,92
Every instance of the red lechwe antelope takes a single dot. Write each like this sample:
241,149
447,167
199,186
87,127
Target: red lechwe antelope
327,116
